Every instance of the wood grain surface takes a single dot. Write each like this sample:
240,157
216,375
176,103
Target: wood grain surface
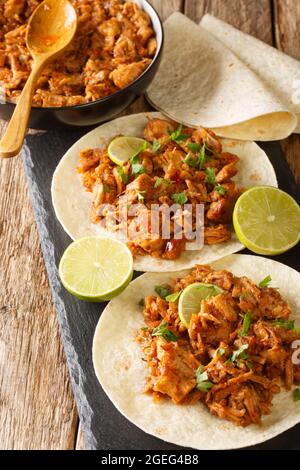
37,409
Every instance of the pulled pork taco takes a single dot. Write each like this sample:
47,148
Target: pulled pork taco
207,358
174,167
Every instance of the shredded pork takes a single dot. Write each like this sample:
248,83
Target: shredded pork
243,368
113,45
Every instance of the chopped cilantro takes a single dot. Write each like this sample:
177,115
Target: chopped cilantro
179,198
203,384
160,181
246,324
177,136
240,353
155,146
287,324
137,167
163,331
193,147
122,174
191,161
210,176
106,188
220,189
142,302
141,196
265,282
162,291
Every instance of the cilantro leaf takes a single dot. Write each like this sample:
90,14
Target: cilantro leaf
220,189
137,167
122,174
265,282
193,147
160,181
177,136
179,198
202,156
142,302
155,145
203,384
162,330
246,324
191,161
296,394
173,297
287,324
240,353
162,291
210,176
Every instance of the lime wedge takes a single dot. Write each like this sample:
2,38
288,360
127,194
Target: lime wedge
191,298
122,149
96,269
267,220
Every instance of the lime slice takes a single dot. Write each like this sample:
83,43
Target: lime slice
191,298
267,220
122,149
96,269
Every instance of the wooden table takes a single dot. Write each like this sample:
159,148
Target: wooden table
37,408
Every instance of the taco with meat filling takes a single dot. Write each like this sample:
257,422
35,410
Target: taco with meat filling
207,358
175,166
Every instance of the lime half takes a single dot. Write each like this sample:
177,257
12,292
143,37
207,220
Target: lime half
267,220
96,269
122,149
191,298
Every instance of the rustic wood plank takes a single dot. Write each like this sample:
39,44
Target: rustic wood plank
287,36
37,407
251,16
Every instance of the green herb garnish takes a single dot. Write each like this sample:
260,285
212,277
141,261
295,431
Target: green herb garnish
191,161
287,324
162,291
202,156
265,282
193,147
122,174
160,181
137,167
220,189
240,353
155,146
177,136
173,297
210,176
142,302
296,394
179,198
246,324
203,384
145,328
163,331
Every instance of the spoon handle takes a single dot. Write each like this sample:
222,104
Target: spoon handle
12,141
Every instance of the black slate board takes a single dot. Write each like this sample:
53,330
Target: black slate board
104,427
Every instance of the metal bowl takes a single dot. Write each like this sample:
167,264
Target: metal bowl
98,111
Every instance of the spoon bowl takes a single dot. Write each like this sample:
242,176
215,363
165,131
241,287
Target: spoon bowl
50,30
51,27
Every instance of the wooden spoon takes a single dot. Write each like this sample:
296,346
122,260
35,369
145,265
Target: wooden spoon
50,29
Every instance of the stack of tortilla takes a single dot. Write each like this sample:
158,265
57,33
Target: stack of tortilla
218,77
